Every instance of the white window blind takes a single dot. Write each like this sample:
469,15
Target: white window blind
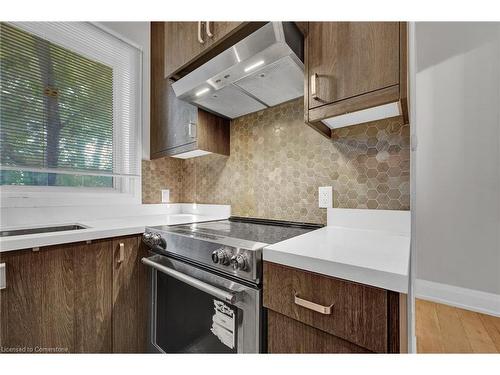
70,105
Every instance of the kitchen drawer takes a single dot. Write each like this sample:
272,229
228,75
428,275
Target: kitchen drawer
286,335
358,312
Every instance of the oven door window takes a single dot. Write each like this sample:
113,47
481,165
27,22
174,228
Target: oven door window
191,321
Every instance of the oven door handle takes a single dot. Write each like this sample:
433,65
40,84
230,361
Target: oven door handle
195,283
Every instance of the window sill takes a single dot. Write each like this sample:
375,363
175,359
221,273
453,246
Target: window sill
31,196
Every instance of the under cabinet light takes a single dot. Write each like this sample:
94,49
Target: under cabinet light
253,66
202,91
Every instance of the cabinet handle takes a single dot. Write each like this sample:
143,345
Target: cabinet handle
3,277
121,255
192,130
207,29
325,310
200,38
314,86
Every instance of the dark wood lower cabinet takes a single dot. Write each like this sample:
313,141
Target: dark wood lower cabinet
93,289
354,317
286,335
129,296
71,298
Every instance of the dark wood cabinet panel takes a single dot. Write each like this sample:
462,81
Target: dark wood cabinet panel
128,298
352,58
286,335
212,133
93,289
76,298
220,30
170,117
181,45
21,301
185,42
58,299
186,47
157,88
358,313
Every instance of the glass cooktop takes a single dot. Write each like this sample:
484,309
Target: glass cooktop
258,230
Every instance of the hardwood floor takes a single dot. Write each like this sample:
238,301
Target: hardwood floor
445,329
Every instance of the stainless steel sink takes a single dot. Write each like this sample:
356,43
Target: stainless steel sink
59,228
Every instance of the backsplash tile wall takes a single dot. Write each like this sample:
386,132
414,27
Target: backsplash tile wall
164,173
277,164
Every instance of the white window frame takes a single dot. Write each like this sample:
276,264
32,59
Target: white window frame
126,190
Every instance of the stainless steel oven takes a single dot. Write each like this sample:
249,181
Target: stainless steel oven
196,311
207,283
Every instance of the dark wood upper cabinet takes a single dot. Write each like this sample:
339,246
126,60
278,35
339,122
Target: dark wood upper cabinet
216,31
190,44
181,45
351,66
173,129
352,58
178,127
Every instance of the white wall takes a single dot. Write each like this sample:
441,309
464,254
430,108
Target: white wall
458,155
139,34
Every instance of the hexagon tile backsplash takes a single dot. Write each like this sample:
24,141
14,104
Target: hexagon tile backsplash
277,164
164,173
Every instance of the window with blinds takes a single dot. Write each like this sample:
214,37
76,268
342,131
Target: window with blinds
69,106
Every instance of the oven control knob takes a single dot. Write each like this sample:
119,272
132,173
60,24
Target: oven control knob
239,262
146,237
215,256
156,240
221,256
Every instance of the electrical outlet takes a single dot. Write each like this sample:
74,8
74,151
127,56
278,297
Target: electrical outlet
325,197
165,195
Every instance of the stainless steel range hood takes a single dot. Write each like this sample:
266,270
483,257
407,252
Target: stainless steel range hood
262,70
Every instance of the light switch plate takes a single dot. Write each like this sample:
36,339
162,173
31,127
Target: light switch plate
165,195
325,197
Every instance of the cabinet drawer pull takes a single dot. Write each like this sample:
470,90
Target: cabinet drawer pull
200,38
121,255
207,29
325,310
3,276
314,86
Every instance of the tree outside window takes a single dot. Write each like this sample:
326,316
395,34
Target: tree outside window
56,112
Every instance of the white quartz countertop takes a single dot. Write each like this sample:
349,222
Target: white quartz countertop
108,227
375,253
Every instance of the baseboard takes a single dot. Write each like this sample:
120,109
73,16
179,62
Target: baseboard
469,299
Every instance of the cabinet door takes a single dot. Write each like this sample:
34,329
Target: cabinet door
181,117
286,335
170,117
176,127
358,313
348,59
57,299
129,296
182,44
